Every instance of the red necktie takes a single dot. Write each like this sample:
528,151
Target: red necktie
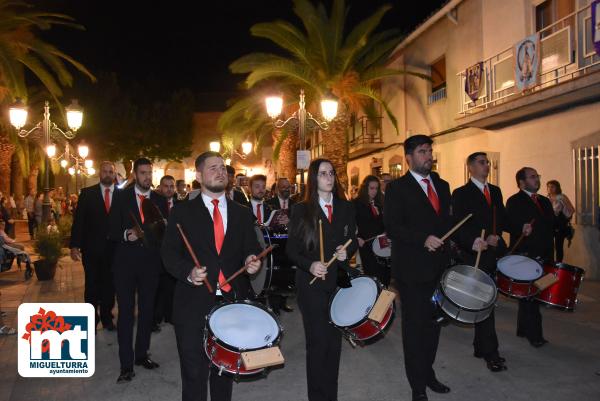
169,205
142,197
433,198
374,210
258,213
329,212
219,231
284,205
534,197
486,193
107,199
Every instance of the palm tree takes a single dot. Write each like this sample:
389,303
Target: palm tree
23,53
322,56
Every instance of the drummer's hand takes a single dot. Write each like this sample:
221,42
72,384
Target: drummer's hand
361,241
318,269
432,243
527,228
492,240
197,275
253,264
479,245
131,235
75,254
284,220
340,253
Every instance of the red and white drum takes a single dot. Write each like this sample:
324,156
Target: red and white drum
236,327
563,293
382,248
516,275
350,307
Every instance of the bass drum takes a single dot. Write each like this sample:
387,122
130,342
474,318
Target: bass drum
262,279
277,274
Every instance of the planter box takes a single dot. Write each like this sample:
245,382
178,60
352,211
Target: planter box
44,270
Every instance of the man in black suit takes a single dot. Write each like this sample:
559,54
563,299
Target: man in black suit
484,201
417,214
221,233
91,245
282,200
163,305
232,191
522,208
181,190
136,268
258,189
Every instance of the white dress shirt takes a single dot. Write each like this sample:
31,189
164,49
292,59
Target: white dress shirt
479,184
284,203
110,194
138,201
322,203
254,203
420,179
222,208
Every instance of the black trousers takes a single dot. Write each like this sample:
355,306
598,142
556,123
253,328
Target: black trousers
135,270
420,334
323,344
163,305
372,267
485,342
529,320
31,223
99,287
196,370
559,246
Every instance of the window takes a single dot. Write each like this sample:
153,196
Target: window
551,11
354,177
585,162
395,166
438,80
316,144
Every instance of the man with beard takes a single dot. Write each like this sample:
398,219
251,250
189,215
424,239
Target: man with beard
417,215
522,208
181,190
232,191
282,201
221,233
136,268
90,243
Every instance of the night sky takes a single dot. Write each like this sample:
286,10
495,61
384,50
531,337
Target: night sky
189,44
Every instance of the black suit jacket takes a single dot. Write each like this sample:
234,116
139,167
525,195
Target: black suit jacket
266,211
120,218
469,199
191,303
368,225
521,209
409,219
342,228
274,204
240,197
90,228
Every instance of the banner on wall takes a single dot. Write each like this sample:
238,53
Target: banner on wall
596,25
473,81
527,62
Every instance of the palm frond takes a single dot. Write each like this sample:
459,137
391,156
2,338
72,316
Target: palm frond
285,35
370,93
378,73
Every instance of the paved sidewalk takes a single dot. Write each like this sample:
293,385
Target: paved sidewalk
562,370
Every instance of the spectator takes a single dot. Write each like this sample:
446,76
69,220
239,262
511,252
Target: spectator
7,217
563,210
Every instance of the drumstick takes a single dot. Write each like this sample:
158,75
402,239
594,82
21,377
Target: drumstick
456,227
322,251
479,251
193,255
333,259
519,240
243,268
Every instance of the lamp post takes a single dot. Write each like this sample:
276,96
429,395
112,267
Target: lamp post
302,120
18,118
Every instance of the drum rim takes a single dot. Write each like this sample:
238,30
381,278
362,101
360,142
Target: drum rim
230,371
231,348
491,305
364,319
568,267
514,280
541,263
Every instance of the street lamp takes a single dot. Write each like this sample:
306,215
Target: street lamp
215,146
247,147
302,120
18,118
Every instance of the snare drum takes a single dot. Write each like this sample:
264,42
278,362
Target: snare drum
277,272
563,293
349,309
516,275
236,327
382,248
466,294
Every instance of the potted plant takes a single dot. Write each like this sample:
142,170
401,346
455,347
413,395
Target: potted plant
64,228
48,245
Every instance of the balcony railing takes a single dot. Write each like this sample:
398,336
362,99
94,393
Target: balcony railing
437,96
366,131
567,52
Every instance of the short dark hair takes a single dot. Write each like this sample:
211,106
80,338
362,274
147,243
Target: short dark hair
521,175
471,158
202,158
230,170
180,182
142,161
196,184
166,177
258,177
240,175
415,141
556,184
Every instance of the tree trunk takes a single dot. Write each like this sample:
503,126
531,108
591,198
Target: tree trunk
17,178
287,155
7,149
32,186
335,143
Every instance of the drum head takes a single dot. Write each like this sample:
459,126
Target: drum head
469,288
520,268
351,305
243,326
259,280
381,248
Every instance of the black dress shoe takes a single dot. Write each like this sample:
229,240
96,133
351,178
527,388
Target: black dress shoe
147,363
287,308
496,365
419,396
479,355
438,387
538,343
126,375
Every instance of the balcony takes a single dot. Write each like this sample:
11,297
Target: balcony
365,136
569,75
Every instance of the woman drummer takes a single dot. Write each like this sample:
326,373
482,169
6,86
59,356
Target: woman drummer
324,207
369,220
